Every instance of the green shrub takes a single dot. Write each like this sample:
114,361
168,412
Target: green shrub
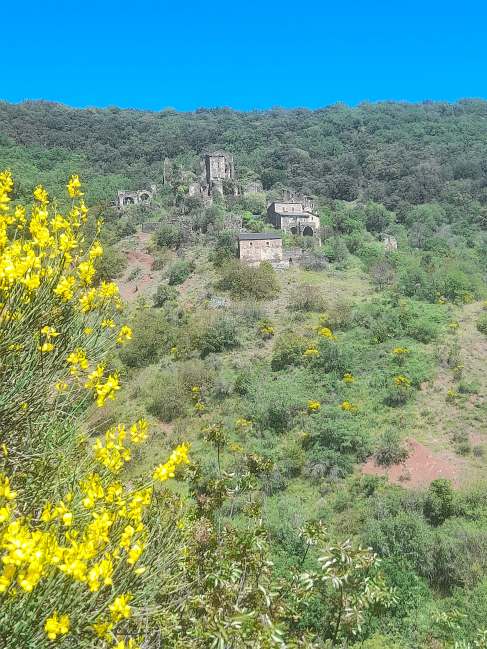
456,285
248,282
168,398
370,254
334,356
391,449
307,298
219,336
422,329
164,294
152,336
440,503
288,350
167,235
110,265
482,325
179,272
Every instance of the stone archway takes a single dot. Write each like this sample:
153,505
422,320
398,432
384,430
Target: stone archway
308,232
144,197
294,230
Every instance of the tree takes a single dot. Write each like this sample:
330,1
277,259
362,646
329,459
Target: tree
382,274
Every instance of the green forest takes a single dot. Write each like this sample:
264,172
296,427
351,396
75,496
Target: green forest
334,489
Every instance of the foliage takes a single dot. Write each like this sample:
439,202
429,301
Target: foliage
288,350
248,282
179,272
164,294
391,450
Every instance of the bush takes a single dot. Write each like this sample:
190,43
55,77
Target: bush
288,350
167,235
152,337
164,294
440,503
110,265
391,450
248,282
219,336
371,254
482,325
307,298
334,356
179,272
382,274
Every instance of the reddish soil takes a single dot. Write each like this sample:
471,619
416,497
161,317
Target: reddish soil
166,428
420,468
137,259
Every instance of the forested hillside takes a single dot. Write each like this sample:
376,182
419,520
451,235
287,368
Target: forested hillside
396,154
334,491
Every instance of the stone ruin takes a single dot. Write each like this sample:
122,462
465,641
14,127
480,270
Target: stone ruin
126,198
390,242
214,169
294,214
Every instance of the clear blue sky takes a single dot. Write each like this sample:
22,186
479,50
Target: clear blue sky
252,54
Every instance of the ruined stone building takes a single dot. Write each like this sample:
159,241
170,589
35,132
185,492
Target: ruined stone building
256,247
125,198
390,242
290,217
214,169
309,203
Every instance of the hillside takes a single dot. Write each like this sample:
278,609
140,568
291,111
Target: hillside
355,385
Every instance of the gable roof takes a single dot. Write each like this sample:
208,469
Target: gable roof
259,236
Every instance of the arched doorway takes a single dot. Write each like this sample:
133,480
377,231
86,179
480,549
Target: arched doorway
307,232
144,197
294,230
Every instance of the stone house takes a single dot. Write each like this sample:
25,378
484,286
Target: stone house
256,247
290,217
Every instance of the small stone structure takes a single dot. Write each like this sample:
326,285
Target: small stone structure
256,247
390,242
253,188
309,203
292,218
126,198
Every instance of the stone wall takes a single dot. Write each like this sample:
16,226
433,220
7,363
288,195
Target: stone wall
126,198
305,258
252,252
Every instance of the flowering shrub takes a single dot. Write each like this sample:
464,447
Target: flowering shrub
348,407
266,329
313,406
75,543
348,378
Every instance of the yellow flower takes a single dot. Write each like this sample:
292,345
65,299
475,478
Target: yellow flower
124,332
348,406
313,405
120,607
96,250
107,323
325,332
73,187
54,626
348,378
103,628
165,471
46,347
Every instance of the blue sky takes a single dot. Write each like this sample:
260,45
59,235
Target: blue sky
253,54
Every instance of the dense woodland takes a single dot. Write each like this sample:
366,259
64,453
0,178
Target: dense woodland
287,383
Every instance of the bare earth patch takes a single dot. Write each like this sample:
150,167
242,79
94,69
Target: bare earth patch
420,468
